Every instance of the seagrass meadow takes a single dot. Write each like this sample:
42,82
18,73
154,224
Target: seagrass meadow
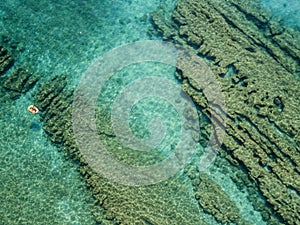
255,178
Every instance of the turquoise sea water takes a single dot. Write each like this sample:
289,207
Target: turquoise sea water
37,184
288,12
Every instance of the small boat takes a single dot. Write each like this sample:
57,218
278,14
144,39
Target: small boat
33,109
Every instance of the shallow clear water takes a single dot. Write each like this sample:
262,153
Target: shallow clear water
38,184
286,11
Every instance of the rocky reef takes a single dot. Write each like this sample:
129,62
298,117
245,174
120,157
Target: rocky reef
164,203
19,81
6,60
256,61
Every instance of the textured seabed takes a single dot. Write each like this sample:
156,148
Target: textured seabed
253,49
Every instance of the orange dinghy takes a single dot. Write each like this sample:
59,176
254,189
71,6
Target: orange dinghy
33,109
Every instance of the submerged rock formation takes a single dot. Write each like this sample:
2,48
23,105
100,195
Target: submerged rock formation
6,60
19,81
164,203
257,63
